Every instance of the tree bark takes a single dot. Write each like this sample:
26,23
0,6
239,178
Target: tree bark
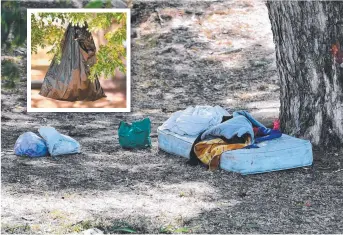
311,74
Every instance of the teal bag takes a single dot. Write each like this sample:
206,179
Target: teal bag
135,135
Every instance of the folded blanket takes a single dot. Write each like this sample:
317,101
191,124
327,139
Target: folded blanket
192,121
237,126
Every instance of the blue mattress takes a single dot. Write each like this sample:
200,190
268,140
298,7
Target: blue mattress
283,153
173,143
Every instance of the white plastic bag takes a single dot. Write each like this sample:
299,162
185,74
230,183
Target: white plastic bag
57,143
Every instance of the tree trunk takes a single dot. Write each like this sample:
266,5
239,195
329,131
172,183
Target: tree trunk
311,73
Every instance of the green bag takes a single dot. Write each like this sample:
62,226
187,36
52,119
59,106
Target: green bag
136,135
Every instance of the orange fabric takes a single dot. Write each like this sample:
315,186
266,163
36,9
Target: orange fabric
209,151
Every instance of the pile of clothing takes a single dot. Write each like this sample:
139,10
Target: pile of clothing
216,131
239,131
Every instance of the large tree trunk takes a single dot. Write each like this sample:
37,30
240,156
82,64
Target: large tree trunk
311,76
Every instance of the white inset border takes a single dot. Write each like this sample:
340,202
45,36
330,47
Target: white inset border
128,60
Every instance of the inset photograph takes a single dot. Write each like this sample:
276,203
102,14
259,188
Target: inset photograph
78,60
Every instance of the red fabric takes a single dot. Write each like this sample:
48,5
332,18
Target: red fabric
276,124
337,53
255,129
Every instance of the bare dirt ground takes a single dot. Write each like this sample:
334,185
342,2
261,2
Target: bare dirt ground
115,92
183,53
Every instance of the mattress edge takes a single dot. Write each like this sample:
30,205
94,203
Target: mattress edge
175,135
276,169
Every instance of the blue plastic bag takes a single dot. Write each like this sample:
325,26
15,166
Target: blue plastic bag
57,143
31,145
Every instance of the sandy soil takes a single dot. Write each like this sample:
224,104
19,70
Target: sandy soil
183,53
115,92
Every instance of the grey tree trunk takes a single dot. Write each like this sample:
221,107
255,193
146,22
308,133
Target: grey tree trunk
311,74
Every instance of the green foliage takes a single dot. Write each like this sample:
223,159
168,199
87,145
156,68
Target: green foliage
120,227
79,227
13,33
99,4
13,23
9,73
16,228
47,29
95,4
64,3
124,230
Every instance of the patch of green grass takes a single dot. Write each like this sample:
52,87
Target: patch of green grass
121,227
169,229
16,228
124,230
67,227
58,214
80,226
